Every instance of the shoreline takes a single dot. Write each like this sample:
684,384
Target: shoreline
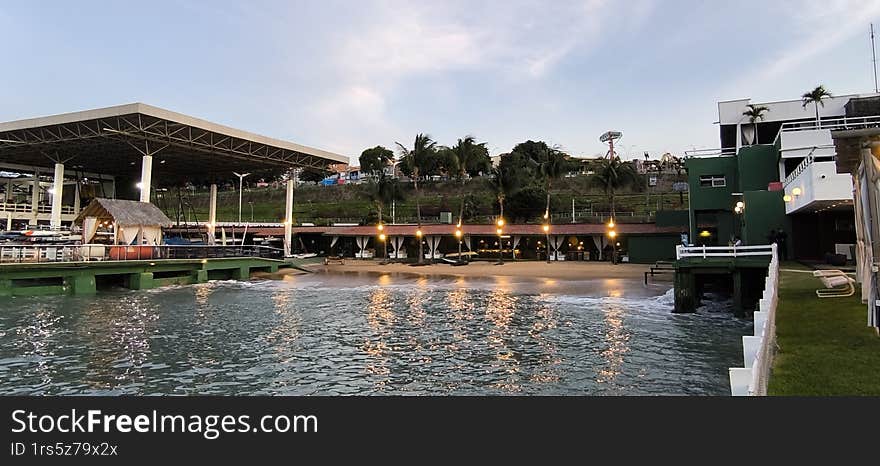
563,271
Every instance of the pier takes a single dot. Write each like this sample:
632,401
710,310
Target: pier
742,268
53,270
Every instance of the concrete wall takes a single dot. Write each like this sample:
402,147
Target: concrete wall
758,166
650,249
711,198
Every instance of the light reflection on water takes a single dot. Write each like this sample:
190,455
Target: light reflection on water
354,334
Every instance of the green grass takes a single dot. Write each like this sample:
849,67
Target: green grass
825,346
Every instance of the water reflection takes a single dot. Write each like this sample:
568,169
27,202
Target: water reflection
362,335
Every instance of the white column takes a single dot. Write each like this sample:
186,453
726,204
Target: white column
288,218
146,177
212,214
76,201
35,197
57,191
8,221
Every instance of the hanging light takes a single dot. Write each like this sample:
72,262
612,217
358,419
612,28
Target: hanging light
500,223
611,223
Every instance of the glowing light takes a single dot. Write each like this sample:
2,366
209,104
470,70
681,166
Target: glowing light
705,234
499,231
611,223
741,205
419,233
612,234
500,222
786,198
546,228
140,185
380,227
382,237
458,233
796,191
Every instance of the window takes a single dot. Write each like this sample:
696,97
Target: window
712,181
652,180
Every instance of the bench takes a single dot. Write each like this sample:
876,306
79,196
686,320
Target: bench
334,259
659,267
837,284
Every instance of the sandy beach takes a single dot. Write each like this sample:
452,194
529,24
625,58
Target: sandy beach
574,271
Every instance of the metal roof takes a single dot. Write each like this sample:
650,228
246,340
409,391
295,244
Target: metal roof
111,141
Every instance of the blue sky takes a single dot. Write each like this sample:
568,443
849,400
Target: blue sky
347,75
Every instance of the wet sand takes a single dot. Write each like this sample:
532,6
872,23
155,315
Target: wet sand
574,271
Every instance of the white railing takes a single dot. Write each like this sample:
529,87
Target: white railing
27,208
722,152
758,350
704,252
832,124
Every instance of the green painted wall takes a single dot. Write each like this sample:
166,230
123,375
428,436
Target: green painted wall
765,210
712,198
650,249
672,218
758,166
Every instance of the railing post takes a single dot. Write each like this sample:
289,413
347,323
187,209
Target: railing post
704,251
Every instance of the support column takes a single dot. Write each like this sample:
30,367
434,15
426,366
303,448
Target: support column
57,191
76,201
212,214
35,197
288,219
8,197
8,221
146,177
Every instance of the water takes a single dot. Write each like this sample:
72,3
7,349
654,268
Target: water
360,334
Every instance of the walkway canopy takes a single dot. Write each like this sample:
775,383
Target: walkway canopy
112,141
129,221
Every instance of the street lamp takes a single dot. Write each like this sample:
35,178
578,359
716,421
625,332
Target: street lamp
381,228
613,234
458,237
500,231
546,228
421,251
240,189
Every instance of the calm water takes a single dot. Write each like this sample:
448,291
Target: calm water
353,334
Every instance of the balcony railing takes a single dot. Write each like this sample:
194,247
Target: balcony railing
27,208
722,152
832,124
102,252
704,252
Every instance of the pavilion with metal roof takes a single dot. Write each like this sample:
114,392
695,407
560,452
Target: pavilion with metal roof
142,142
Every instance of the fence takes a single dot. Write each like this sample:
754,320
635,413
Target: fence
704,252
101,252
832,124
758,350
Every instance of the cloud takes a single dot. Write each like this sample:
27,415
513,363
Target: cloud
820,26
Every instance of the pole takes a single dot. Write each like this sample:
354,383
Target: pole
500,250
572,209
874,56
547,237
241,177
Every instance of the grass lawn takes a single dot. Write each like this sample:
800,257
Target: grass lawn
825,346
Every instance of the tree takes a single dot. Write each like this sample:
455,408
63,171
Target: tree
755,113
471,158
554,166
375,160
525,204
815,97
383,191
612,174
414,159
503,183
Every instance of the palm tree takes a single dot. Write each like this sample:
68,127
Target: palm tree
612,174
423,148
468,154
755,113
815,97
552,168
503,185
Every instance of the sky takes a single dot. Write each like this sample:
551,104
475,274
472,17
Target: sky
347,75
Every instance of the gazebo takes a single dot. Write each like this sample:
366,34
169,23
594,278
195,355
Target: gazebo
116,221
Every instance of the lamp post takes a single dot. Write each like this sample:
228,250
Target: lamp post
547,238
421,253
613,235
381,228
500,231
458,237
241,177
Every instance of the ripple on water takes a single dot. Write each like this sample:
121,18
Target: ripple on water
363,335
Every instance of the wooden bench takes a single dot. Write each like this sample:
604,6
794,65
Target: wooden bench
659,267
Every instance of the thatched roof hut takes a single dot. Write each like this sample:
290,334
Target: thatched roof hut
131,221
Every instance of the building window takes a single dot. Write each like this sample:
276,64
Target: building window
712,181
652,180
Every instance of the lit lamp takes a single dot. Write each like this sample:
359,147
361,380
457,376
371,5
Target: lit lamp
546,228
611,223
421,251
500,230
796,192
381,227
458,237
786,198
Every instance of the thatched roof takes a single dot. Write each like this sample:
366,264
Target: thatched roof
125,212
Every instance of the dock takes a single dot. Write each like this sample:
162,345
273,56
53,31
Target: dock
34,274
743,268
